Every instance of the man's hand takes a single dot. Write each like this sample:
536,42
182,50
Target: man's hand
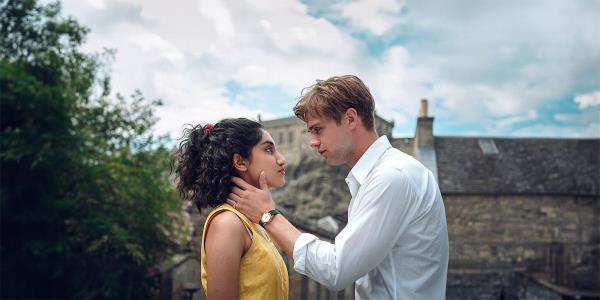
249,200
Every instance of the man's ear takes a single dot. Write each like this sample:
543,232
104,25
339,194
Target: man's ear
240,163
352,118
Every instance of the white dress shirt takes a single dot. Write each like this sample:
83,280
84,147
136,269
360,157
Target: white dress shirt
395,245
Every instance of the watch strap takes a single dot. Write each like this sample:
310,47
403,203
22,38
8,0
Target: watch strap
273,213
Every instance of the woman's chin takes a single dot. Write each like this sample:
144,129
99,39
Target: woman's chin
277,184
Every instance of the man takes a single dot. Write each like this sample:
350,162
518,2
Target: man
395,245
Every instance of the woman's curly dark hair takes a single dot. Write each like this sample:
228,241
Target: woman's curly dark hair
204,159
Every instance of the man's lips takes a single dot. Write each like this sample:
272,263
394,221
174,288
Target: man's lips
321,152
282,171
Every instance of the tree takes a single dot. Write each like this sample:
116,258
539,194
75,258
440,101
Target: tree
85,201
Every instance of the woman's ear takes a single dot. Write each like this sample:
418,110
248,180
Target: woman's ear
240,163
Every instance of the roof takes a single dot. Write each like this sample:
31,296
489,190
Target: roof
520,166
380,119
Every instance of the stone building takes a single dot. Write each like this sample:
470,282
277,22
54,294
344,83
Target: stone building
291,138
520,211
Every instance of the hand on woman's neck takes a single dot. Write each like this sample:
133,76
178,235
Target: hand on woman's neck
247,178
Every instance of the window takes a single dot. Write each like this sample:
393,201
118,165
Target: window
488,147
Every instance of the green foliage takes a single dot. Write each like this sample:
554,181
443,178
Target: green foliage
86,205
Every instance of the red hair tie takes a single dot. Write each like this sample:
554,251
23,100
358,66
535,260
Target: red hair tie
208,128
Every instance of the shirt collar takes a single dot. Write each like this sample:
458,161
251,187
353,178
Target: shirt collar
367,161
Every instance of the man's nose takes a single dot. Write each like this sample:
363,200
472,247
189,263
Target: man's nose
314,143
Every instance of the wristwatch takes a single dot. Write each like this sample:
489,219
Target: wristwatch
267,217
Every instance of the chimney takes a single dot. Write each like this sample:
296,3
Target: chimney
424,147
424,131
423,110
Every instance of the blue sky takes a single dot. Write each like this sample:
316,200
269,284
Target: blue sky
488,68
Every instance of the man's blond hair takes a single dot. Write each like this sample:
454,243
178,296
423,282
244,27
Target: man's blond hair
332,97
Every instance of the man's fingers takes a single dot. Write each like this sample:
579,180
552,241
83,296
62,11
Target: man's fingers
262,180
237,191
234,197
241,183
231,202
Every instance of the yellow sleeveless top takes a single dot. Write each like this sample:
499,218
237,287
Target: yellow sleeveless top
263,274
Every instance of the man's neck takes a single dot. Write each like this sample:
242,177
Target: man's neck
362,142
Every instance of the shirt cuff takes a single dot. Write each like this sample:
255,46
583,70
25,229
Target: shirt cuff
300,251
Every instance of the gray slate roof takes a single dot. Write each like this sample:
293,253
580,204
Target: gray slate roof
522,166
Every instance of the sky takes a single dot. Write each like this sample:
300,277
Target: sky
488,68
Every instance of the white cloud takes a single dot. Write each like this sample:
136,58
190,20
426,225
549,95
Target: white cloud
194,48
98,4
479,102
151,44
396,86
219,14
540,55
585,123
553,131
588,100
510,121
375,16
465,57
209,104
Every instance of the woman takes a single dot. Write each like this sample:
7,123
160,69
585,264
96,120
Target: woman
239,260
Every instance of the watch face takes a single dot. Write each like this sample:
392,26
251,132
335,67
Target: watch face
265,217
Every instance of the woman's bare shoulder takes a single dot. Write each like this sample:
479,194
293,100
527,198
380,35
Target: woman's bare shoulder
226,222
226,232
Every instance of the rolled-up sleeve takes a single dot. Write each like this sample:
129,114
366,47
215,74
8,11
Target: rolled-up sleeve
300,249
382,212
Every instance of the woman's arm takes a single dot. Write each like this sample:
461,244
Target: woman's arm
225,243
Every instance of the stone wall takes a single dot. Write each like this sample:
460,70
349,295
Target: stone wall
180,278
291,140
505,285
555,235
406,145
479,285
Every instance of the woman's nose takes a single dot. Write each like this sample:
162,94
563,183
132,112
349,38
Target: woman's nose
281,160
